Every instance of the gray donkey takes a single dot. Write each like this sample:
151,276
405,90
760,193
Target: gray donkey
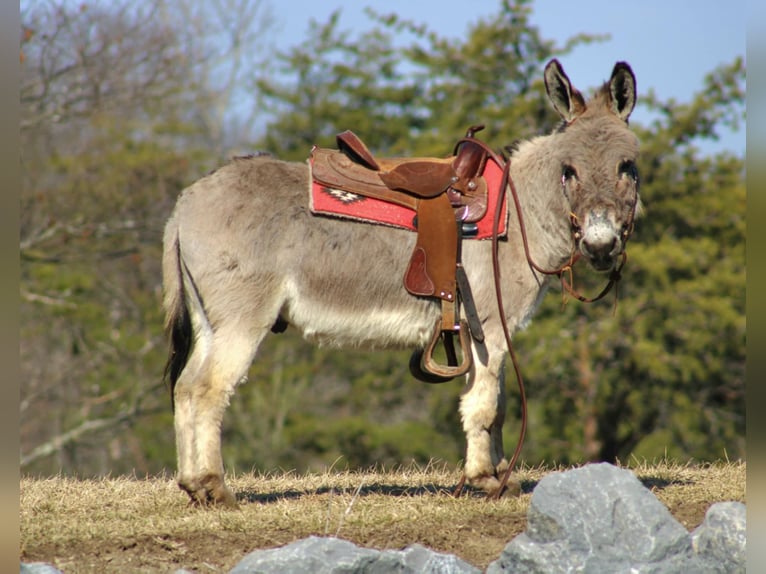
243,254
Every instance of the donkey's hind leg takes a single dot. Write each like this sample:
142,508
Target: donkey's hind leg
201,396
183,416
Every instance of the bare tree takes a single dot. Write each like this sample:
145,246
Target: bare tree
81,61
234,36
122,104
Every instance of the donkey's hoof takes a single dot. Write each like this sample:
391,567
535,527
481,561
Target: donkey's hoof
485,482
209,491
226,499
491,486
512,489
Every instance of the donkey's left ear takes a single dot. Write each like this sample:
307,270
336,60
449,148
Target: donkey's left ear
622,90
568,102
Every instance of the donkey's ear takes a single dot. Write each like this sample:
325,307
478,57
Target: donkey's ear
622,90
568,102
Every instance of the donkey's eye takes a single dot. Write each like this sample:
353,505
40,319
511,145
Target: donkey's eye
628,168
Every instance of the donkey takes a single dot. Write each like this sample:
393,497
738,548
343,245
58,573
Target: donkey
243,255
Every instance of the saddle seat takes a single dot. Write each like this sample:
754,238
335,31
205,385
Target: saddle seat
448,195
460,175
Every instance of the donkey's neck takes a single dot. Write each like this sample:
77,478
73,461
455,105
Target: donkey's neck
536,175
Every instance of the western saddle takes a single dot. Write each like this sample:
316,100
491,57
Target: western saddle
448,195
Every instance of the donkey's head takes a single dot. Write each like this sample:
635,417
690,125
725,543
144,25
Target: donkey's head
596,159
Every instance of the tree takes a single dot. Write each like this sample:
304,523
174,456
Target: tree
411,99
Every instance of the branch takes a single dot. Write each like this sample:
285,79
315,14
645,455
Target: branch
46,300
60,441
89,426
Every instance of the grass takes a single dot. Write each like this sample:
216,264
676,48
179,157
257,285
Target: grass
128,524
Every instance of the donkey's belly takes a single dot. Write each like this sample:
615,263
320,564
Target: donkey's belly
372,322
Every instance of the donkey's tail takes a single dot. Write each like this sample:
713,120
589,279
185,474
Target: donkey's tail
178,325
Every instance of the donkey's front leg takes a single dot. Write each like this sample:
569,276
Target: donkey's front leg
482,410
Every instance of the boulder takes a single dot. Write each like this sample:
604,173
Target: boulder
601,519
335,556
720,541
38,568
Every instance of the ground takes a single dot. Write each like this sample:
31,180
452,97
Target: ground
130,524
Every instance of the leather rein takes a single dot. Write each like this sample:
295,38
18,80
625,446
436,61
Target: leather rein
562,273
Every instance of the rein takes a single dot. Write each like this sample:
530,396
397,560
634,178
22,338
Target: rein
561,272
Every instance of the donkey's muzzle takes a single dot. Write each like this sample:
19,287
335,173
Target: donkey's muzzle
602,257
600,243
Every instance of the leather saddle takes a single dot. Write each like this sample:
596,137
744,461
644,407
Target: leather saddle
448,195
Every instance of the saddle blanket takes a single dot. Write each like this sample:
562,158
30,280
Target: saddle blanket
338,203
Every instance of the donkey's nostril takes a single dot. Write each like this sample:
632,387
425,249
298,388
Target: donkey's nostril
599,247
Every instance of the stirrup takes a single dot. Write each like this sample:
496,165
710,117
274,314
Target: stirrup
425,368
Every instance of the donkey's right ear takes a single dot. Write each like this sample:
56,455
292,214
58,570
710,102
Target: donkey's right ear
568,102
622,90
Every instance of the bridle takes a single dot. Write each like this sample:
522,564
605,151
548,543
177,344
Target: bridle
567,285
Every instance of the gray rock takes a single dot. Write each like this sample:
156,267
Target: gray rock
720,541
311,554
38,568
417,558
598,518
336,556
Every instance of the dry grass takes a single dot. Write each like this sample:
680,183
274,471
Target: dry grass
128,524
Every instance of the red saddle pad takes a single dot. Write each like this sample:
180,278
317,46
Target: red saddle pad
339,203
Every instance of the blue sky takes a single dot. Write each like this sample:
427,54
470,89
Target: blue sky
670,44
